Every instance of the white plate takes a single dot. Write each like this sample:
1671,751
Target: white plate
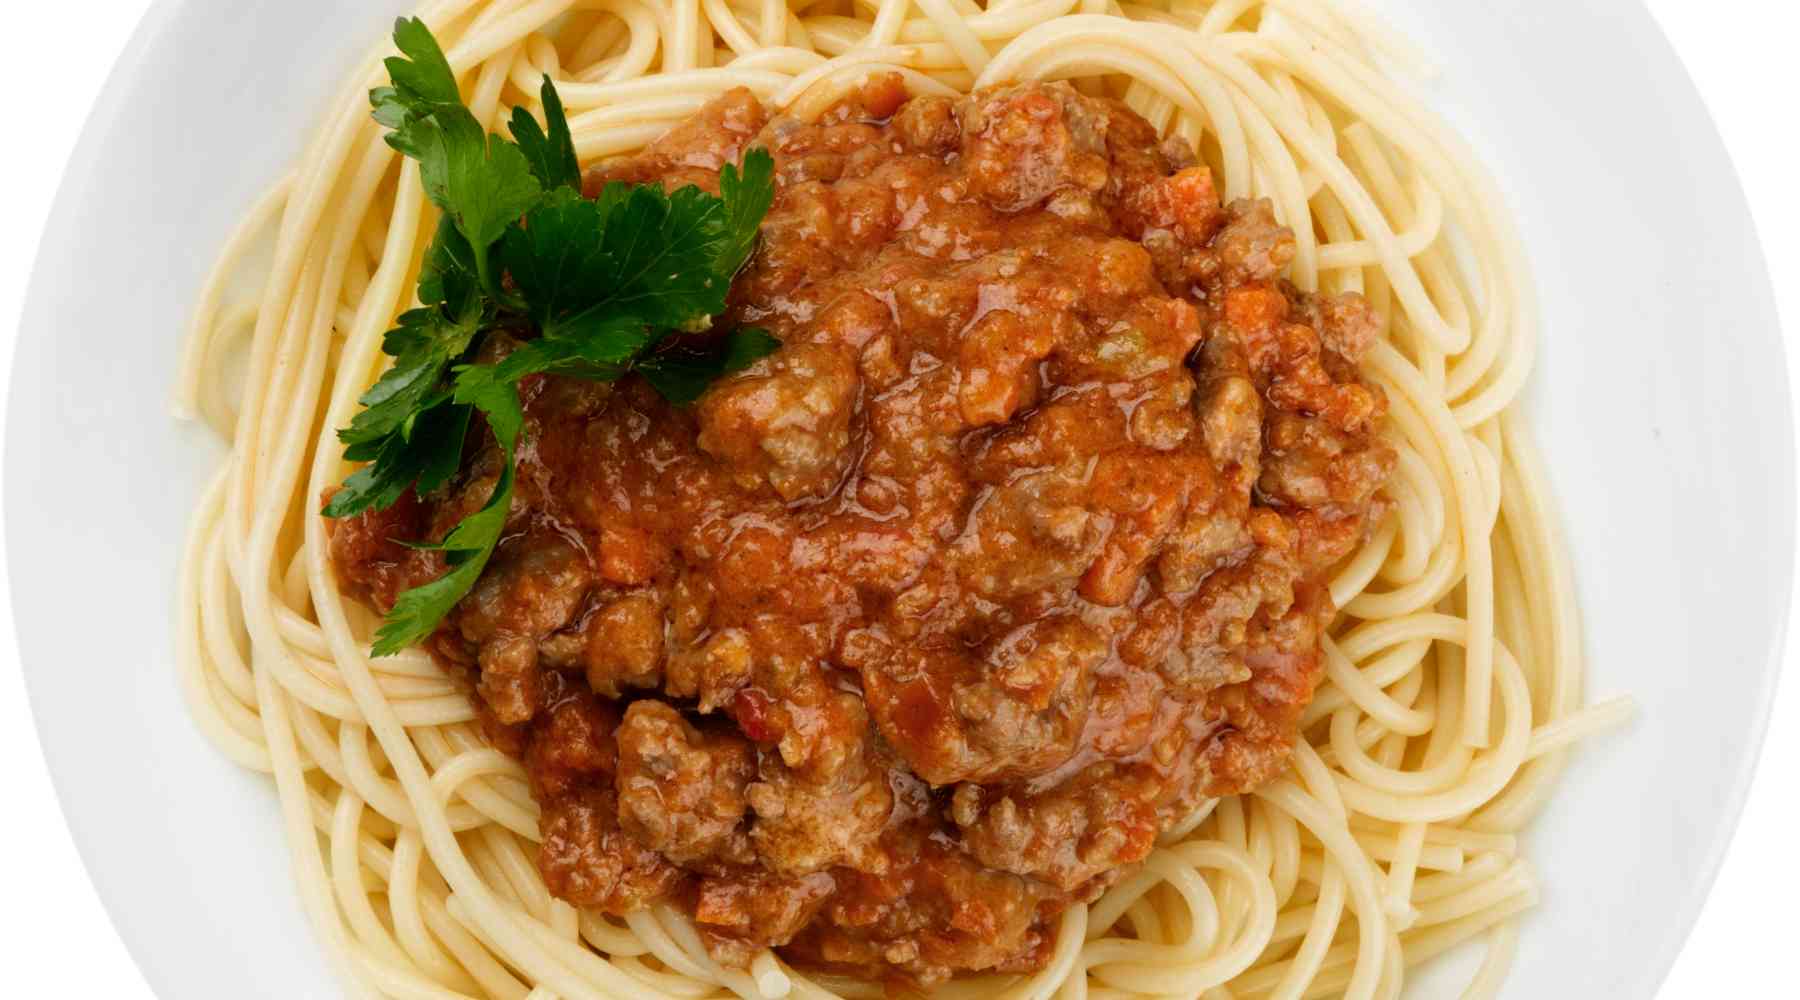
1660,399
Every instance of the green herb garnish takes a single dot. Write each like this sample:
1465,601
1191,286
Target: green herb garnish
601,282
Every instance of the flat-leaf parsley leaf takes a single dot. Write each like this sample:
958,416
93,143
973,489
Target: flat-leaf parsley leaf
592,288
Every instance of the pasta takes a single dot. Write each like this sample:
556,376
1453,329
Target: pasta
1453,687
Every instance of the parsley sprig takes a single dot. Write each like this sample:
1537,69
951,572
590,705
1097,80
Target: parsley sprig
600,282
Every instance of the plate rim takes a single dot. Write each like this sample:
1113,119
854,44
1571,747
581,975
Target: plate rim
82,169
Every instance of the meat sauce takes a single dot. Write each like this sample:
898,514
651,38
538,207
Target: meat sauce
924,627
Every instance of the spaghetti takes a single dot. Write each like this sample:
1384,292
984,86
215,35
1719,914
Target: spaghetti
1453,675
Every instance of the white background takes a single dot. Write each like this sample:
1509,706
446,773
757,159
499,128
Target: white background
53,61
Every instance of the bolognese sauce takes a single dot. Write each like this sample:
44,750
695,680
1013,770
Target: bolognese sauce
925,626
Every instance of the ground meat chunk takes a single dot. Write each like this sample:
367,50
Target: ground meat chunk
823,805
1254,721
786,420
740,914
589,860
1252,246
942,913
1215,625
681,792
925,626
927,125
1346,325
531,589
1016,710
1231,421
712,671
1312,464
571,745
1071,833
1024,143
622,646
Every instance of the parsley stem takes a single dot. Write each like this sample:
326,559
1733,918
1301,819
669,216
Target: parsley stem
490,280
